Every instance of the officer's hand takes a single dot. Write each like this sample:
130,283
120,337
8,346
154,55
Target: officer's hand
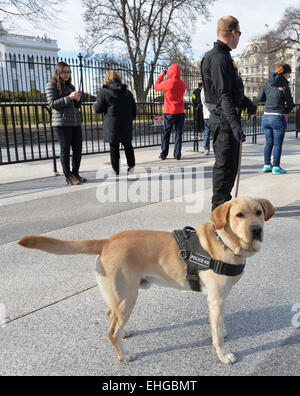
238,134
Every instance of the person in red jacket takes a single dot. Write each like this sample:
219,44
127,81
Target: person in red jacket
174,89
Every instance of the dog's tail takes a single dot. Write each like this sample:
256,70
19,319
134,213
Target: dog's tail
59,247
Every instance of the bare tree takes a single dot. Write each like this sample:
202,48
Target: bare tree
285,36
35,11
288,31
149,30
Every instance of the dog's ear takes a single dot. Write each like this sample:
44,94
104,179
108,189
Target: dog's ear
219,215
268,208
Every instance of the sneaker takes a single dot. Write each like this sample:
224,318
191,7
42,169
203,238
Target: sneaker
278,171
162,157
206,152
267,168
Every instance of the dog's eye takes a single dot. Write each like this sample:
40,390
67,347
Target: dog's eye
240,215
258,213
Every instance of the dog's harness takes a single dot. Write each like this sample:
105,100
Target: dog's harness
197,258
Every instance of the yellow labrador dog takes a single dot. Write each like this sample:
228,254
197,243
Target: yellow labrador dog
133,259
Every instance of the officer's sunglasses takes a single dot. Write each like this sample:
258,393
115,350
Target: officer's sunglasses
237,31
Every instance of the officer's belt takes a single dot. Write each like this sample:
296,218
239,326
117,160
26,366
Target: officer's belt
197,258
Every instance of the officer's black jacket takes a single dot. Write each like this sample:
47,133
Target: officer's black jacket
223,87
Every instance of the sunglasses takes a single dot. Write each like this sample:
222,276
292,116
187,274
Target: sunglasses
238,32
65,72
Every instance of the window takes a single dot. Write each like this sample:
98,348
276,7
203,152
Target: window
48,63
31,62
13,61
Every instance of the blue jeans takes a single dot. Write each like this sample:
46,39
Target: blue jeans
169,121
274,128
206,136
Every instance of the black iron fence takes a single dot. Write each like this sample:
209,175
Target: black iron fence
25,128
26,133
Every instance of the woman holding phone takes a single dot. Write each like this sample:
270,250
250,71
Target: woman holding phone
65,103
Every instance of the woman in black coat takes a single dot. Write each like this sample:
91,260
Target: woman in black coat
119,108
65,104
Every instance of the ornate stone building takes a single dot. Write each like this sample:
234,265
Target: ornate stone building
255,67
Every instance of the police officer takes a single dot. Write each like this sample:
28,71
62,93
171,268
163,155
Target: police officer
224,95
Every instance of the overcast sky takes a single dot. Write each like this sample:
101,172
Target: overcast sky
253,16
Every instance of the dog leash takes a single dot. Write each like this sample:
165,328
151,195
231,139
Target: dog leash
239,171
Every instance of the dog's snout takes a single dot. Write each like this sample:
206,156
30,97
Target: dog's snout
256,231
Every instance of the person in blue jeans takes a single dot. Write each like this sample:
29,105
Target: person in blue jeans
178,121
278,103
206,115
174,89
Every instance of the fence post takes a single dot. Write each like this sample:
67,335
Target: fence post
80,56
48,109
254,136
53,152
297,120
195,132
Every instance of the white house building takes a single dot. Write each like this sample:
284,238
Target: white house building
25,61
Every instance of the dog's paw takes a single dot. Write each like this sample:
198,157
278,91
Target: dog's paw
230,359
126,334
127,358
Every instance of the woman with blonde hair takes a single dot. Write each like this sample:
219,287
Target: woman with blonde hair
119,108
278,103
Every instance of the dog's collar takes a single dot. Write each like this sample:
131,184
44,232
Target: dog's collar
221,240
216,234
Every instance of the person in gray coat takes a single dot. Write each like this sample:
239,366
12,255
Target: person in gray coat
119,108
65,103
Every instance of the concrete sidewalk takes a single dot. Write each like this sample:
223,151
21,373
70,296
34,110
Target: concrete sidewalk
55,315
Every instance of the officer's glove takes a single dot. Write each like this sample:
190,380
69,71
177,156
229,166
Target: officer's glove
238,134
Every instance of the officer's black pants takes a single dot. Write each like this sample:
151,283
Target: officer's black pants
226,150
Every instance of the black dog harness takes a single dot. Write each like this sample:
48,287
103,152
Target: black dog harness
197,258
